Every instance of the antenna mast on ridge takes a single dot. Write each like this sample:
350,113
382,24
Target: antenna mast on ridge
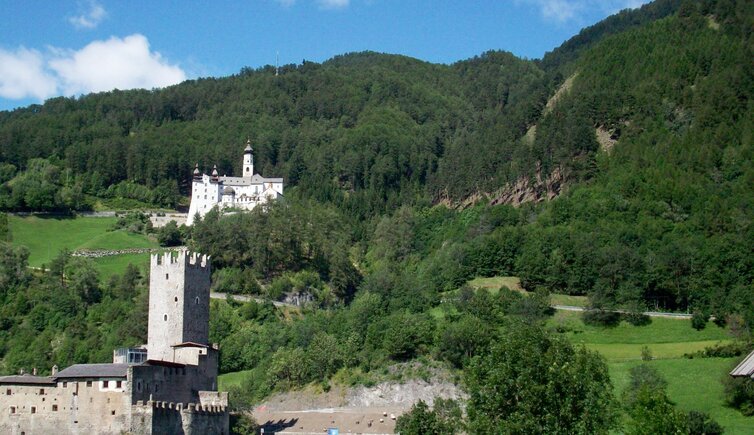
277,63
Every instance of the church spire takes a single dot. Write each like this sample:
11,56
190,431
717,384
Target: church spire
248,160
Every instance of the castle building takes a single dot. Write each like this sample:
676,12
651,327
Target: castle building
168,386
229,193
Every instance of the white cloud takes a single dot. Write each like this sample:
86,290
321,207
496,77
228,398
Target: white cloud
567,10
22,75
116,63
125,63
333,4
91,18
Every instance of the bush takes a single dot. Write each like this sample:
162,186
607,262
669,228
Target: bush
243,424
699,320
721,350
444,419
700,423
739,393
169,235
637,319
601,318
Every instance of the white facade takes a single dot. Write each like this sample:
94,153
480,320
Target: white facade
240,193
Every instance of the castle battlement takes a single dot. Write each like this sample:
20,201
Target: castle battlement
175,260
192,408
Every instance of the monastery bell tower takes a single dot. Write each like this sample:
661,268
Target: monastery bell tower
248,160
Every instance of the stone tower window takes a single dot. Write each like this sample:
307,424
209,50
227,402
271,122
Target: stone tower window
196,301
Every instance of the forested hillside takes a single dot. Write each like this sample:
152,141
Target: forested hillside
619,167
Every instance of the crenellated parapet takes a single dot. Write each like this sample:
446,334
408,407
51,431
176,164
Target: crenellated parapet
157,406
176,259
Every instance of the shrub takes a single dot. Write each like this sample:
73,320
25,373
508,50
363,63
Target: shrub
601,318
739,393
700,423
699,320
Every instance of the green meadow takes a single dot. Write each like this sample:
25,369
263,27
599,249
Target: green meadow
45,237
693,384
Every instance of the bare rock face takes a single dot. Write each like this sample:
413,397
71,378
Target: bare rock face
526,189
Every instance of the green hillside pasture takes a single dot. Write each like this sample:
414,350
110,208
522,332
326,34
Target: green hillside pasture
116,264
618,352
493,284
693,384
232,379
661,330
46,237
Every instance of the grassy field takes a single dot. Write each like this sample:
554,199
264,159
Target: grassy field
693,384
45,237
231,379
116,264
493,284
661,330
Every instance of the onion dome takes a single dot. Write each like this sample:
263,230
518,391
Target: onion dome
197,174
214,171
248,149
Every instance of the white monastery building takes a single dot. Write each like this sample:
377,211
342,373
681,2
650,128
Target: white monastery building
232,193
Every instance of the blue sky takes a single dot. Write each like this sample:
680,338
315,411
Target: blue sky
52,48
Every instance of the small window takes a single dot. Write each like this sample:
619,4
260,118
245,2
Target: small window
12,409
41,391
138,386
167,276
54,408
112,412
165,317
88,383
247,169
118,384
33,409
65,384
105,384
175,298
8,392
196,300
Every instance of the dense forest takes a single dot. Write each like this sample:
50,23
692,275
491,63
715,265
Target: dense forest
620,167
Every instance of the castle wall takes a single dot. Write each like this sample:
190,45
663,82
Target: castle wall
173,384
176,418
81,407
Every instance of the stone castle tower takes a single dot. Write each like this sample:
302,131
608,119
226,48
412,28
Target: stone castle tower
178,304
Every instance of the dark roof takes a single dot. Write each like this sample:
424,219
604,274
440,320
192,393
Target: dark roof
94,371
189,344
27,379
745,368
